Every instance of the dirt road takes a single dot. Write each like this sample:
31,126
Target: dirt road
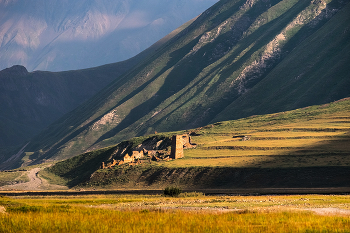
35,183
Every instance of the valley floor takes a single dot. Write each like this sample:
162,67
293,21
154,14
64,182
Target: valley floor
190,212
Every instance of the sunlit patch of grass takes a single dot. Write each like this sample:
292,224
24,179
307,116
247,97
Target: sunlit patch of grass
52,178
152,221
13,177
289,139
249,214
286,143
214,162
203,153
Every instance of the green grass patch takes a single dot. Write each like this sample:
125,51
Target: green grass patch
13,177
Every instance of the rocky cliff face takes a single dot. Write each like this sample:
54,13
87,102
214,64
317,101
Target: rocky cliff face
61,35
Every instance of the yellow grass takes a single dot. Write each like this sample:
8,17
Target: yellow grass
185,214
264,161
287,133
232,162
270,143
10,177
323,140
202,153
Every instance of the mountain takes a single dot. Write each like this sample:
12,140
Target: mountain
30,101
236,59
59,35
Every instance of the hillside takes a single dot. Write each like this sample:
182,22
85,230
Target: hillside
30,101
307,147
261,56
58,35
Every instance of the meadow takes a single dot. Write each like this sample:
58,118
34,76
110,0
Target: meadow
13,177
190,212
309,137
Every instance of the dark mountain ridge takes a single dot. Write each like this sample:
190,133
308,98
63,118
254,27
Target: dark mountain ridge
32,101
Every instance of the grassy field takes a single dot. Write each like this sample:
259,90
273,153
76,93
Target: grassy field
13,177
191,212
305,137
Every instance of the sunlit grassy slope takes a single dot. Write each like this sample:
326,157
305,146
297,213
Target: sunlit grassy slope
312,144
13,177
314,136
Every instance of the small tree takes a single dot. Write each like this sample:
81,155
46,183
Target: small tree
172,191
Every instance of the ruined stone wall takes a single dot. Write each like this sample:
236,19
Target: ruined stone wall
151,148
137,154
177,147
128,159
187,144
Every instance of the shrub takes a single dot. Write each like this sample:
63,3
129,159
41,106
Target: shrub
172,191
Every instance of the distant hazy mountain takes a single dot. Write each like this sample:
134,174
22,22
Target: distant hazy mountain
237,59
59,35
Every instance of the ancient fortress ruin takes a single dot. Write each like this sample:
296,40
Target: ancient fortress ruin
152,149
178,144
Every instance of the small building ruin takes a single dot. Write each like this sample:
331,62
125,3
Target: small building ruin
177,149
178,144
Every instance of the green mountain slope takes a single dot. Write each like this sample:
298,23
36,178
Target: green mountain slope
30,101
235,50
315,69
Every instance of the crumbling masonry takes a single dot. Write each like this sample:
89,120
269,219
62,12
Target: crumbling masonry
178,144
177,149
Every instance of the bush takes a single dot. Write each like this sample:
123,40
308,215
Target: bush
172,191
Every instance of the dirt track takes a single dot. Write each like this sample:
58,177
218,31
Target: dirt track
330,211
35,183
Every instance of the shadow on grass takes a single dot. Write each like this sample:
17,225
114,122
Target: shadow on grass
252,176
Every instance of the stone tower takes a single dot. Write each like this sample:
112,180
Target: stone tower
177,150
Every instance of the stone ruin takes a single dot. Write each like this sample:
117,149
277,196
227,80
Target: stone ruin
178,144
177,149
